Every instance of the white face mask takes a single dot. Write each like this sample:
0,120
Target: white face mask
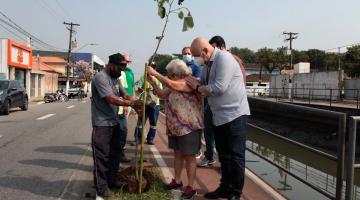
199,61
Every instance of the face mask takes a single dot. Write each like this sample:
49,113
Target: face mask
115,73
199,61
187,58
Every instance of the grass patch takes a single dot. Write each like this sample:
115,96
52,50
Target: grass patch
156,191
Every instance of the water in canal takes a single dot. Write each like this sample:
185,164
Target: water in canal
313,168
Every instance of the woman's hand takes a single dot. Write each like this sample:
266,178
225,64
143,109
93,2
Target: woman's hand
151,79
151,71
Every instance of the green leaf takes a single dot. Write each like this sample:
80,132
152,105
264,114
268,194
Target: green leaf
161,11
188,23
181,15
161,2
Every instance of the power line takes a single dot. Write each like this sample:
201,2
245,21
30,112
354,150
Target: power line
50,10
21,30
64,10
18,36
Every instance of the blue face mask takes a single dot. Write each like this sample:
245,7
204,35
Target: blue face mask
187,58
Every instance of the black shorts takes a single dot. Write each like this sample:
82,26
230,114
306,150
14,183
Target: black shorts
188,144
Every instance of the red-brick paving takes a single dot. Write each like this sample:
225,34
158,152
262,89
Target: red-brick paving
207,178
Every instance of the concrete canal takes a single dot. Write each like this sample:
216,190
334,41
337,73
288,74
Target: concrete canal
311,167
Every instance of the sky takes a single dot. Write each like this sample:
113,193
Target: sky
130,26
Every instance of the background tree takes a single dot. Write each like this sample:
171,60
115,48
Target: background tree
83,70
265,57
247,55
352,61
161,61
317,59
300,56
280,60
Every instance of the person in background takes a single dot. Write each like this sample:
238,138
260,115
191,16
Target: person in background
127,81
106,143
152,111
219,42
222,83
187,57
184,121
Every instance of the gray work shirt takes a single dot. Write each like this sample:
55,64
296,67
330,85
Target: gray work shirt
103,113
225,83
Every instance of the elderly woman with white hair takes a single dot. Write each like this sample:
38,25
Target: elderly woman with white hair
184,121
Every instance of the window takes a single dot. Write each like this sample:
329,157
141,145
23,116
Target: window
249,84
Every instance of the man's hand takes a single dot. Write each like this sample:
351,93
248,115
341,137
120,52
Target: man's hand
137,105
192,82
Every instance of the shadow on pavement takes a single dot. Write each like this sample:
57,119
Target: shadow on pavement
61,165
38,186
71,150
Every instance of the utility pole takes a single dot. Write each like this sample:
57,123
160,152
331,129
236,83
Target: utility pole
292,36
71,29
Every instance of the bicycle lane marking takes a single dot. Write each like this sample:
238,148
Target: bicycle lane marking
45,116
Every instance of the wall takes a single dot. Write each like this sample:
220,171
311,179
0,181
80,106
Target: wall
320,84
352,88
51,82
4,70
279,86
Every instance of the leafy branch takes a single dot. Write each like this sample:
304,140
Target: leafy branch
188,23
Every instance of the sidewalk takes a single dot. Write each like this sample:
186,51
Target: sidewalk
207,178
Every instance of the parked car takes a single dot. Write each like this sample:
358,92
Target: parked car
257,89
74,91
12,95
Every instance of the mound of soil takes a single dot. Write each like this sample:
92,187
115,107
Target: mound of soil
127,176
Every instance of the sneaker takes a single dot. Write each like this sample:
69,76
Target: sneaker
117,185
124,159
106,194
150,142
173,185
198,155
220,192
188,193
205,162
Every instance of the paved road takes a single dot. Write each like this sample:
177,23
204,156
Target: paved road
44,152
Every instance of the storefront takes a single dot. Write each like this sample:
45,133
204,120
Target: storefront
16,62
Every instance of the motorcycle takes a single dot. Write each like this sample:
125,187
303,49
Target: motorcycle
58,96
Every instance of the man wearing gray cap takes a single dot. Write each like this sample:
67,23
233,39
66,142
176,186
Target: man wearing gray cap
107,95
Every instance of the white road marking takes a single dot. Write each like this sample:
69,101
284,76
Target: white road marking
72,177
70,106
45,116
161,163
41,102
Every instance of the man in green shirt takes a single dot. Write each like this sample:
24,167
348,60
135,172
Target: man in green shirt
152,111
127,81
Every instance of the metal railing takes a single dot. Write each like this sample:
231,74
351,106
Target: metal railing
351,158
291,109
330,96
